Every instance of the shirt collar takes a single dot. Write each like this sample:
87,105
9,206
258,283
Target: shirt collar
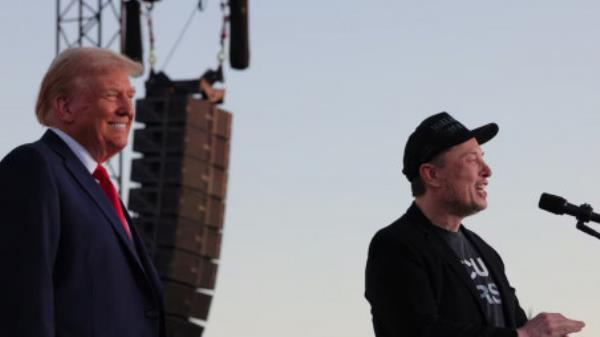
84,156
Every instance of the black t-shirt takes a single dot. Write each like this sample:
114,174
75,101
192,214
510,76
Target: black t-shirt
482,278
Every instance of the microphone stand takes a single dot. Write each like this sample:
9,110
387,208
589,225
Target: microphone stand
584,217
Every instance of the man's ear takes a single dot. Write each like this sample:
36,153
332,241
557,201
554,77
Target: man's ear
61,109
430,174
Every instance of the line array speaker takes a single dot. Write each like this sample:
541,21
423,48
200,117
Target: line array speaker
180,204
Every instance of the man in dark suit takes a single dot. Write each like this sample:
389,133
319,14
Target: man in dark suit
427,275
72,261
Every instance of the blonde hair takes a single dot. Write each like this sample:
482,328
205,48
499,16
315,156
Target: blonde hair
75,63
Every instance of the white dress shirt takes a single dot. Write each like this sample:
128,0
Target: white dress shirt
84,156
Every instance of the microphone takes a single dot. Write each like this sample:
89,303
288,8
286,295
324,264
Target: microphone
131,35
239,50
560,206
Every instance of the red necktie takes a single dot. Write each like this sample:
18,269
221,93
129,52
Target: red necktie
111,193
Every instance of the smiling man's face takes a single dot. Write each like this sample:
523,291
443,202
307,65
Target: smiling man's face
464,177
100,112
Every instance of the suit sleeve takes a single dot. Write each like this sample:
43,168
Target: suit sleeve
29,205
400,291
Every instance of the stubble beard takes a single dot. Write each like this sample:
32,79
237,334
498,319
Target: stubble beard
458,207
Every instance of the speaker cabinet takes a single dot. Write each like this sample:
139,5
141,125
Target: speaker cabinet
179,206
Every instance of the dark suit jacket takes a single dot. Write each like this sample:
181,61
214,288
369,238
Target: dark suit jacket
68,267
418,288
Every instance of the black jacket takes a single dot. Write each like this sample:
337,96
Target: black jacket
417,286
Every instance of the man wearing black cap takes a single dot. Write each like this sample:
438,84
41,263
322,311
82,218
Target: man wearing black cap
427,275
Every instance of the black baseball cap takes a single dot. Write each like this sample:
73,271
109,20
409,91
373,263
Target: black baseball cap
436,134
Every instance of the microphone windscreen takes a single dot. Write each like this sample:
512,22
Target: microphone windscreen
131,34
552,203
239,50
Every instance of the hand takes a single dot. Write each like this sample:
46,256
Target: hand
549,325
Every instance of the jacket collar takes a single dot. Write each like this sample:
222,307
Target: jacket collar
417,218
82,153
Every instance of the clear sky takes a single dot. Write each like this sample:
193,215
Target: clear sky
320,121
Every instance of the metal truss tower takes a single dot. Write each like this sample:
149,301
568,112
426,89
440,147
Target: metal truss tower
82,23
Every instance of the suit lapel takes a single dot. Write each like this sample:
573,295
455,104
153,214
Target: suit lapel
453,261
86,181
438,245
144,257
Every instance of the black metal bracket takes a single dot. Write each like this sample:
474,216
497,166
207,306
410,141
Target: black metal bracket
584,217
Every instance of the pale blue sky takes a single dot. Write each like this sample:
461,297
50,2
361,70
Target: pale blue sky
320,120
